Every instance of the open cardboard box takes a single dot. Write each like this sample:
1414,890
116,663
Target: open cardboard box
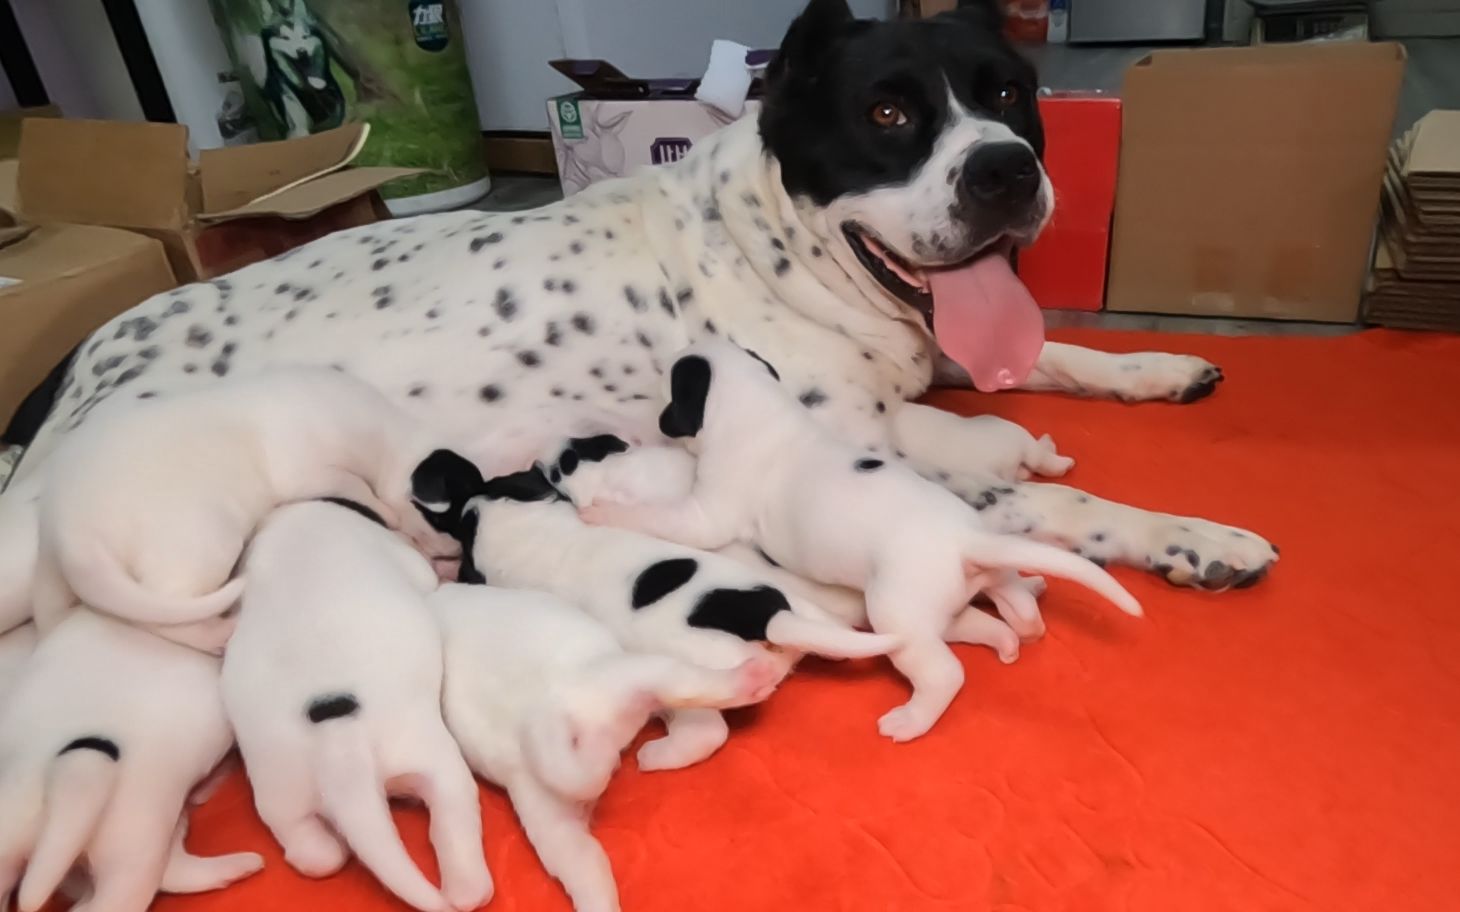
235,206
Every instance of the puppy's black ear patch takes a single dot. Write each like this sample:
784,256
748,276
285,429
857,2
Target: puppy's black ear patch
332,706
356,507
525,486
567,463
868,465
445,478
746,613
768,366
598,447
469,572
661,578
104,746
689,387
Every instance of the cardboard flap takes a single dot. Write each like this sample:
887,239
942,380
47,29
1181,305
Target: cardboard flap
1434,144
314,196
10,127
129,175
11,230
233,177
1217,59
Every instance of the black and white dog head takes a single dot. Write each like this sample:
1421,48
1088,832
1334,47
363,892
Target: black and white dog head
917,143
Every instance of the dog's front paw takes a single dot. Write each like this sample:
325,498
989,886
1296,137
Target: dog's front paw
1207,555
1144,376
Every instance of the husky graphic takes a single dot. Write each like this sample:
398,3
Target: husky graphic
291,60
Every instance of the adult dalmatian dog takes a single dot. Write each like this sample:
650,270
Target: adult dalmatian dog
853,236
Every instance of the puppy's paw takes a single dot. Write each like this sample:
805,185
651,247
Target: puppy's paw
1046,460
904,724
756,679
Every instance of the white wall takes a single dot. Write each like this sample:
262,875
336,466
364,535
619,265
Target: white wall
510,42
78,59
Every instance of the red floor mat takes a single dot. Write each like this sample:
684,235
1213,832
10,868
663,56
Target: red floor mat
1292,746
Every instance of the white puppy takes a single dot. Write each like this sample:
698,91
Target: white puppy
768,473
333,683
18,540
145,509
655,596
15,648
1005,449
543,700
105,732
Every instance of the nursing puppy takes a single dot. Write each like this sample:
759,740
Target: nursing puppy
543,700
15,649
19,534
144,512
333,683
768,474
106,731
656,597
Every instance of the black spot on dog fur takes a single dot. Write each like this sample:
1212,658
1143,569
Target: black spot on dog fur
106,364
416,391
778,243
812,398
659,579
526,486
490,393
552,335
505,304
768,366
597,448
130,374
335,706
584,324
689,386
881,407
575,248
710,327
644,340
219,368
356,507
380,264
477,243
868,465
569,286
104,746
745,613
783,266
283,288
636,300
529,358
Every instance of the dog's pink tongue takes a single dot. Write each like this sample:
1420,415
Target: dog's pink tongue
986,320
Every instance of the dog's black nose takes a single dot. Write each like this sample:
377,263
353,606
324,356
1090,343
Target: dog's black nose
1006,173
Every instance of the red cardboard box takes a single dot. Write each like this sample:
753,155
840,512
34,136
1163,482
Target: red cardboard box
1065,268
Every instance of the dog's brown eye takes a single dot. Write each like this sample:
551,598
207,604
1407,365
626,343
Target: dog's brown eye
886,114
1008,96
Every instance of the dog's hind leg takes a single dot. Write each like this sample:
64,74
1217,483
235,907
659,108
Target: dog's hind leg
188,873
130,851
917,614
559,833
284,799
692,735
450,793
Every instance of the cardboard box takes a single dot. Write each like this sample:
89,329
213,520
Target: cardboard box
616,125
1065,268
57,284
235,206
1415,283
1249,179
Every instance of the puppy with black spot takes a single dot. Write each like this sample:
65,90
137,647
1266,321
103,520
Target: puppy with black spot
144,512
657,597
333,683
769,474
605,468
104,733
543,700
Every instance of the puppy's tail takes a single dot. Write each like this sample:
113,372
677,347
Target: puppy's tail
574,769
81,783
809,629
986,549
354,800
100,581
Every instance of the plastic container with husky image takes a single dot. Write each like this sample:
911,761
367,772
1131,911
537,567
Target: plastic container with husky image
309,65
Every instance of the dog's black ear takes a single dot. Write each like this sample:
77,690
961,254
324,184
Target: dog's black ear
469,572
689,387
598,447
808,36
526,486
768,366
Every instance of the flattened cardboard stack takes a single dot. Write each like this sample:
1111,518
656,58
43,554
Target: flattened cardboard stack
1415,283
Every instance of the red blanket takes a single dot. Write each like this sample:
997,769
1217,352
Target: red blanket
1291,746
